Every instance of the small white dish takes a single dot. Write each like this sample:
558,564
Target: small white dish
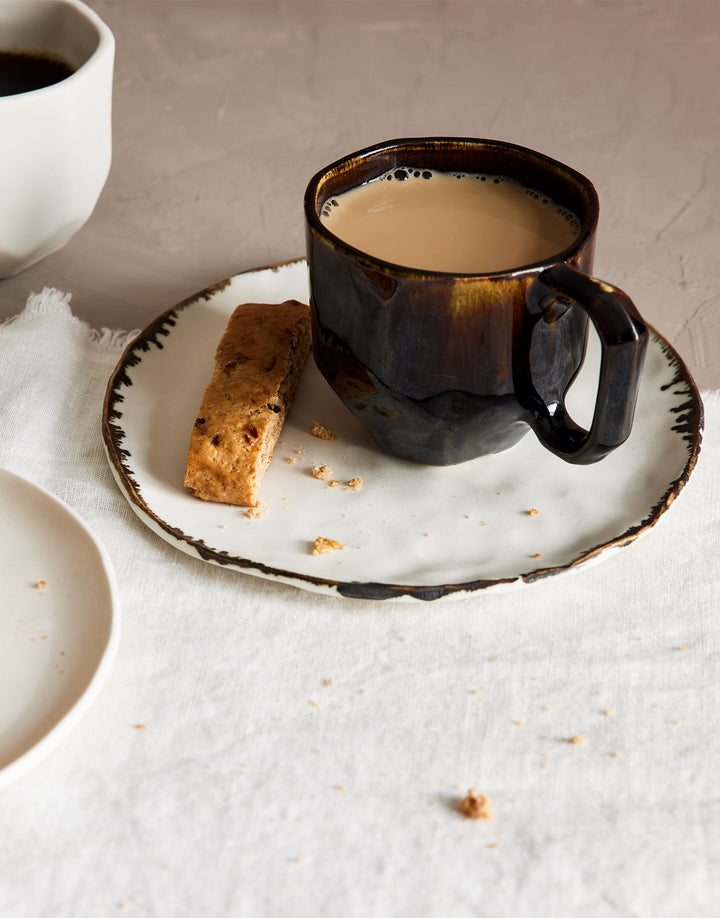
410,531
59,622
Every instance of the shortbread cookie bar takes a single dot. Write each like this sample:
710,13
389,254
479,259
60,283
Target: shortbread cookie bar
257,368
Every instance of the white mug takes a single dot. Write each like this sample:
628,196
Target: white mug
55,142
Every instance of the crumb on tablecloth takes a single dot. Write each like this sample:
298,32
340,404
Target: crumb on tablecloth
533,512
321,472
577,740
256,513
475,806
40,585
354,482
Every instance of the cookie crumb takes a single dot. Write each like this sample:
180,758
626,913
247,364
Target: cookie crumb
334,483
40,585
321,431
577,740
321,472
475,806
140,726
323,545
290,460
354,482
609,712
256,513
533,512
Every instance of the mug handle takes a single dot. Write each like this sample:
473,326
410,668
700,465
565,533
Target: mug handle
623,335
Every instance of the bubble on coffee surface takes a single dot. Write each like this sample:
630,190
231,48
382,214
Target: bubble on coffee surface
328,206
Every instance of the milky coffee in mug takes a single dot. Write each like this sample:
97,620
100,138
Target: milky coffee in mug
451,288
455,222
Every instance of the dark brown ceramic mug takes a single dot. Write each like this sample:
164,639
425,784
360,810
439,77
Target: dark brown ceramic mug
444,367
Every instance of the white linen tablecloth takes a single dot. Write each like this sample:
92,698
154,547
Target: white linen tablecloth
304,756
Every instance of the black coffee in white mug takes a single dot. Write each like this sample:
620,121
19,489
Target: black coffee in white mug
26,71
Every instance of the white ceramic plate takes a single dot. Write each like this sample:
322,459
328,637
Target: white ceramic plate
59,622
411,531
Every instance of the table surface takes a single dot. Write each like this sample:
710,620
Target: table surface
223,110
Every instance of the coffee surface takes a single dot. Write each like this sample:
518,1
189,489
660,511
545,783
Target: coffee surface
25,71
453,222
